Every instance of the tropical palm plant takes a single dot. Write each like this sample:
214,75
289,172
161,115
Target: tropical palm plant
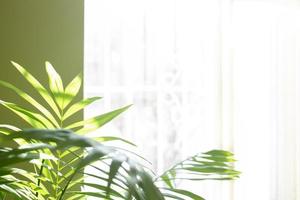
10,185
59,102
119,177
119,168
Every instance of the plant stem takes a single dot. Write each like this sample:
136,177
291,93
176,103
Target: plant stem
57,175
59,158
67,185
173,167
40,174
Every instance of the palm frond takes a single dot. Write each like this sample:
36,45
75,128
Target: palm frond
59,156
72,90
136,181
211,165
79,106
38,87
96,122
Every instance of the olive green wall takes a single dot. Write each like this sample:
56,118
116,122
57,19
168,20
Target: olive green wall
33,31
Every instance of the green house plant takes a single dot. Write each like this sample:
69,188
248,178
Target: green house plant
55,168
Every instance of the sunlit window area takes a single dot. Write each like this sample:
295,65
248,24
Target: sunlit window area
150,100
201,75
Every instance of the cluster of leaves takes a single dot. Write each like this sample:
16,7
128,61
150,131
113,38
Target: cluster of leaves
58,156
122,172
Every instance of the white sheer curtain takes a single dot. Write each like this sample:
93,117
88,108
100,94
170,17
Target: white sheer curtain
203,74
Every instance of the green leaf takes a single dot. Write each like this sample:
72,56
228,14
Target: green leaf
11,159
6,128
79,106
102,188
206,169
55,84
34,119
96,122
114,168
151,191
39,87
185,193
77,197
140,184
93,155
72,90
111,138
217,152
212,165
167,178
20,187
172,196
62,138
32,101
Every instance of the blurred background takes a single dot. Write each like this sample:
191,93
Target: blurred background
202,74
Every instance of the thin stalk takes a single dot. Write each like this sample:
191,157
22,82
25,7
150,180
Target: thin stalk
57,175
40,174
173,167
67,185
58,161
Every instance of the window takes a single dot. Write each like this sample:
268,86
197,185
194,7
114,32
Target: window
203,74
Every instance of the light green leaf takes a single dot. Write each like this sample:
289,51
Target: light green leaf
79,106
8,128
167,178
218,152
32,101
55,84
77,197
185,193
34,119
212,165
72,90
96,122
39,87
111,138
